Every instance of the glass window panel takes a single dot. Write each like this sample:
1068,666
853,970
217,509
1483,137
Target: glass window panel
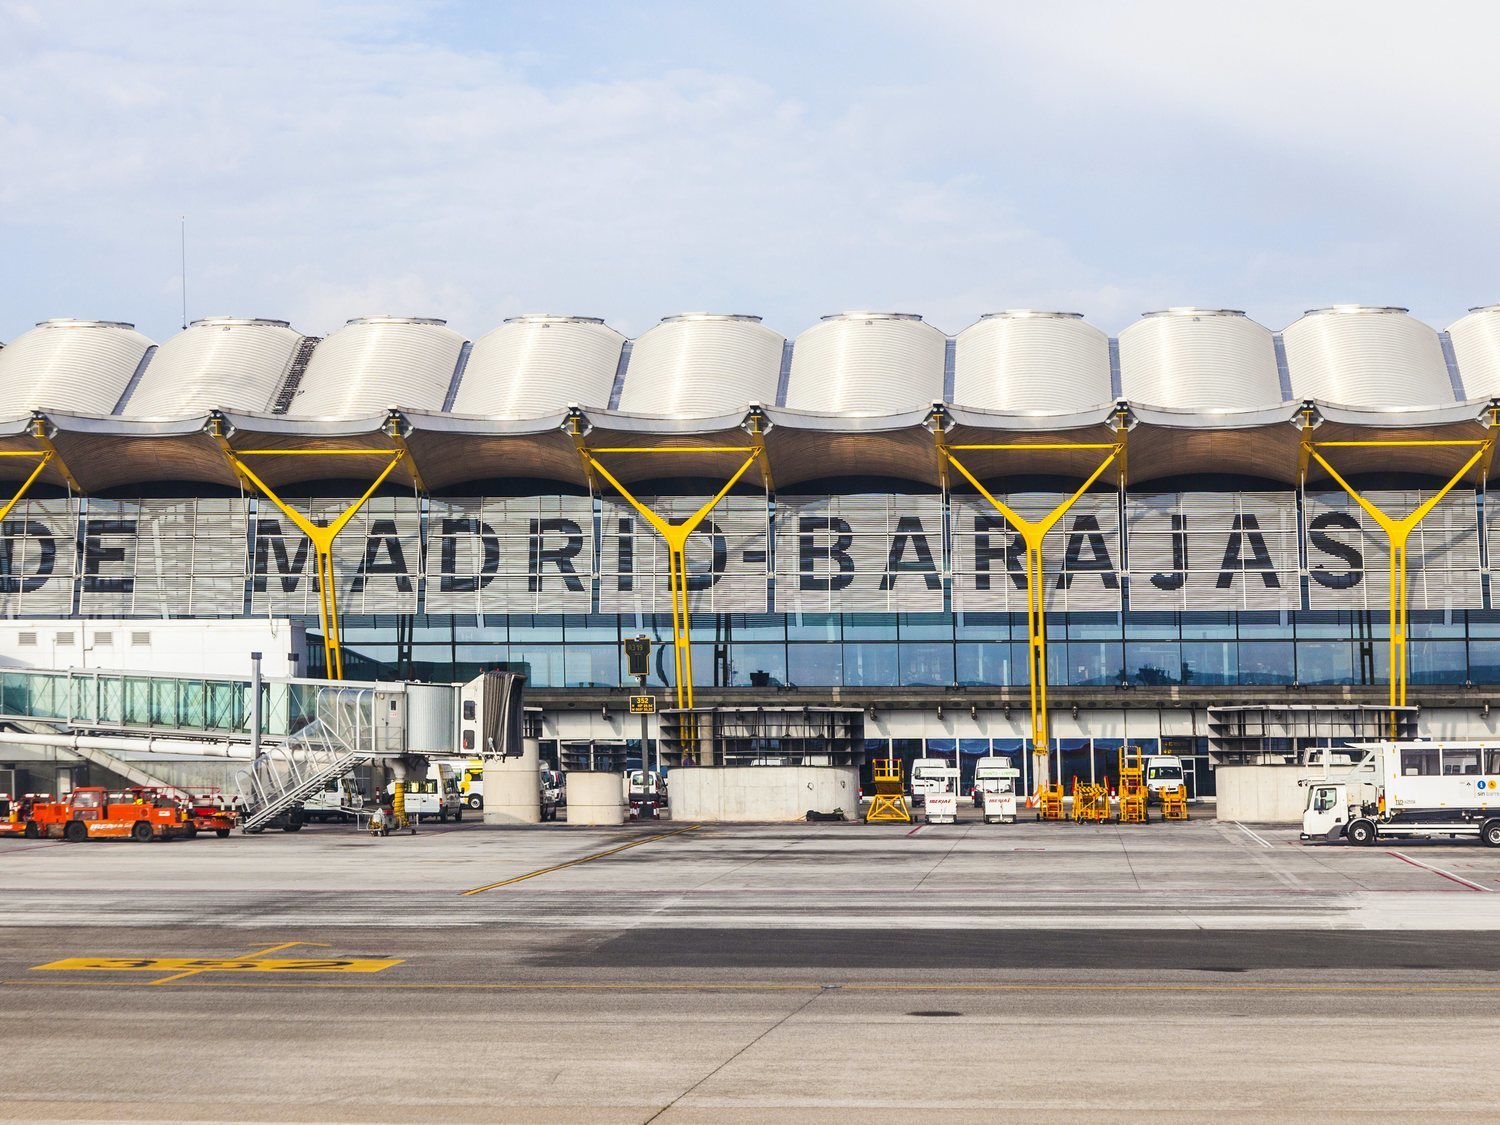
814,626
1085,663
1210,663
983,627
758,665
1484,662
870,627
1437,662
590,627
871,665
815,665
1208,626
1264,624
536,627
1436,623
594,666
1266,662
1153,663
1152,627
925,626
994,664
1325,662
1075,758
929,665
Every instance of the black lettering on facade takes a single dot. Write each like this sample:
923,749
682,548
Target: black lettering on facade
12,534
910,536
382,537
1353,559
626,579
1246,535
450,530
97,554
1086,533
810,553
1178,574
718,558
560,556
270,542
985,553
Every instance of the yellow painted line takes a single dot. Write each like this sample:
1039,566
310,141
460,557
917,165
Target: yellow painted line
710,986
184,966
575,862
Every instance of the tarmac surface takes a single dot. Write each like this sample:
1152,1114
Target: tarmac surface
681,973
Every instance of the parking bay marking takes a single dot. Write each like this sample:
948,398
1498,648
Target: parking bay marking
257,962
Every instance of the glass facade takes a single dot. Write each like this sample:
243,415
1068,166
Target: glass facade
935,650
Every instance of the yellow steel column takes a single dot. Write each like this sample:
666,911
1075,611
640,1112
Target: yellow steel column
676,536
1033,533
1397,532
321,537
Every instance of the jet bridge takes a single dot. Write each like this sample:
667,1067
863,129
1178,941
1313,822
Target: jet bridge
293,735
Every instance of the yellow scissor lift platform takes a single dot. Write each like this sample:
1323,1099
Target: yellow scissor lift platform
1132,786
888,805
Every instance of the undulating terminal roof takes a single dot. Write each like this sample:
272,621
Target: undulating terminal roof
1205,391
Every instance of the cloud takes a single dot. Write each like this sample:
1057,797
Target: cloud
340,159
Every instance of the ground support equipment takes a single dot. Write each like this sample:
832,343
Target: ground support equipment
888,805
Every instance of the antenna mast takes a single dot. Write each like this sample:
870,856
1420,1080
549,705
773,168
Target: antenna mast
184,273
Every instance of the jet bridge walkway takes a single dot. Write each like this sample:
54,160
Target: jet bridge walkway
303,734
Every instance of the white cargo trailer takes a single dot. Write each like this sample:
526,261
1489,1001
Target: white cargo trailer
1406,790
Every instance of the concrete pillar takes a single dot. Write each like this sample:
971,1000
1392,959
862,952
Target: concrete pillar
595,798
513,787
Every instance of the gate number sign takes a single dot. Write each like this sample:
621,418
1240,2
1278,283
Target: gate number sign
643,704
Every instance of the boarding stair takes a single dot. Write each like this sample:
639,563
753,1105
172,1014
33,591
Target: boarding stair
332,745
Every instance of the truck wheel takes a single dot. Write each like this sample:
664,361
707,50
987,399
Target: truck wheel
292,826
1489,834
1361,833
222,833
31,832
76,833
476,802
443,817
458,815
140,831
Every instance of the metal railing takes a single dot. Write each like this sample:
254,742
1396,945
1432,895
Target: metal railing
340,737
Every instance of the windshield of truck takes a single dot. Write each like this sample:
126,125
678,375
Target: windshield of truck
1164,773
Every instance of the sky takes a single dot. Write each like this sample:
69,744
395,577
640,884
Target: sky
474,161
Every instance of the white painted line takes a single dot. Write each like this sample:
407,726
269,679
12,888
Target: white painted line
1445,874
1256,836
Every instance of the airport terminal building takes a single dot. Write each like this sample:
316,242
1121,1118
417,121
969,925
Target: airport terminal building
1215,505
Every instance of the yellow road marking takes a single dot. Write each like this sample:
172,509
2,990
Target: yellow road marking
187,966
575,862
258,953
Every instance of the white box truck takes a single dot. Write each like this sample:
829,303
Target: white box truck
995,789
1408,790
932,775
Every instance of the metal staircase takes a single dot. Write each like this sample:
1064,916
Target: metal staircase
340,738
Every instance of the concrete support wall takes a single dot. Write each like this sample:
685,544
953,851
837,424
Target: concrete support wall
1261,794
513,788
755,794
595,798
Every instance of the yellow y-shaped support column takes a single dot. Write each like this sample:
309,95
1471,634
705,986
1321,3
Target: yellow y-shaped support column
320,537
1397,532
1033,533
676,536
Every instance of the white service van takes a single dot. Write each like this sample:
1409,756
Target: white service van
339,799
435,795
1163,771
